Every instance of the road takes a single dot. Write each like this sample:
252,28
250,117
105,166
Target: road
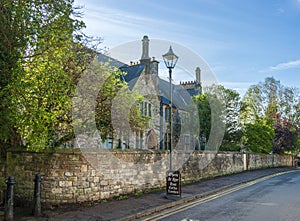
275,199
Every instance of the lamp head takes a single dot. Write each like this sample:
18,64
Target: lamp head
170,59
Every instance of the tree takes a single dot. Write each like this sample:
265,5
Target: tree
41,90
116,106
286,135
259,136
272,102
289,104
261,101
42,57
233,133
13,22
229,115
204,112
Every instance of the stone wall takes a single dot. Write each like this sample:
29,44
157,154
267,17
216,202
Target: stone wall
70,176
224,163
197,168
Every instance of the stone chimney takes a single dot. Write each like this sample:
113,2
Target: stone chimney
154,66
198,75
145,48
198,80
145,59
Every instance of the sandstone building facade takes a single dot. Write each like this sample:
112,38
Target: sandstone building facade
143,76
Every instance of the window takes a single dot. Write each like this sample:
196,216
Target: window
141,139
145,109
141,107
149,109
137,140
183,117
167,114
110,143
166,141
187,141
104,144
124,145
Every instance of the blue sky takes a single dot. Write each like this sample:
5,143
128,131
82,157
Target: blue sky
242,41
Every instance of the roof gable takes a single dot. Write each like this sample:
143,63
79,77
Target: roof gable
181,96
113,62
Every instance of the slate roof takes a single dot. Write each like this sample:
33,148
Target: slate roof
193,92
181,97
113,62
132,74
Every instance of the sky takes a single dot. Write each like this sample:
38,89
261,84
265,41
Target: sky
242,41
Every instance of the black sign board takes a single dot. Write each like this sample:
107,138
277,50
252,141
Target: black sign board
173,183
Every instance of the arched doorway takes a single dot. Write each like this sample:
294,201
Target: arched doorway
151,140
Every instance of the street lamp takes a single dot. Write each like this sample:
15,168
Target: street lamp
170,60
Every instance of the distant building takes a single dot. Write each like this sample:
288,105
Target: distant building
143,76
193,87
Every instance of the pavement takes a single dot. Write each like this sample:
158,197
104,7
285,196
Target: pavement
136,207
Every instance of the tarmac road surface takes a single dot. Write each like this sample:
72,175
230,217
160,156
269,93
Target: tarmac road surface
274,199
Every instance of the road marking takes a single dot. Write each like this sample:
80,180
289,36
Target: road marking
190,220
259,203
200,201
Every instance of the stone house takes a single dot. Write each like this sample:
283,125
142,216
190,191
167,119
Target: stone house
143,77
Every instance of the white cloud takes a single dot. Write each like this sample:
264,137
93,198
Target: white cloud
240,87
283,66
120,21
280,10
120,25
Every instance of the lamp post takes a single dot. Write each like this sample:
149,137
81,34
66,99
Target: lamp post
170,60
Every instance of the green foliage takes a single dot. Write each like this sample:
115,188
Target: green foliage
45,71
268,98
204,112
42,57
113,100
138,193
287,135
271,101
289,104
109,90
122,197
13,20
259,137
226,111
261,100
251,122
233,131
